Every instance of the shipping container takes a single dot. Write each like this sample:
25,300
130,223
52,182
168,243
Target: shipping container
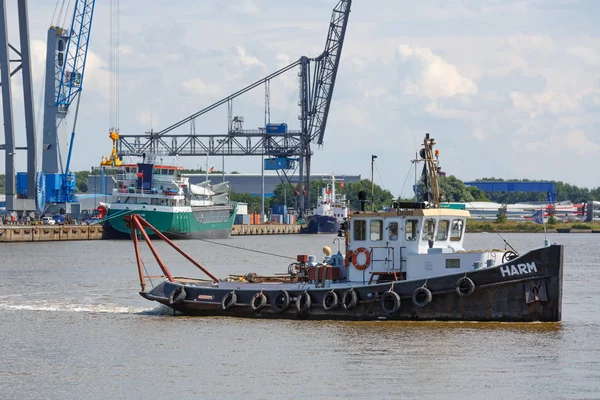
22,185
276,128
280,209
242,208
277,163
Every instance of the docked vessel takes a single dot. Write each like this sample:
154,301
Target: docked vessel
167,200
330,212
408,263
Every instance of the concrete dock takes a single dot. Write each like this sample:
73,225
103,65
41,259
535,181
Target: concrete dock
267,229
47,233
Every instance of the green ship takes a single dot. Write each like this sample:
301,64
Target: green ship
167,200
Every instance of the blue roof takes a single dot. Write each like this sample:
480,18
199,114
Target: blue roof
487,186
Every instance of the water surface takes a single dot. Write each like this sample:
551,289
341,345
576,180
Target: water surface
72,326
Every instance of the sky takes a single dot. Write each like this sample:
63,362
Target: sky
509,89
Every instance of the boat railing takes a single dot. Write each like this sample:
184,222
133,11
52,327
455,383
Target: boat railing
386,255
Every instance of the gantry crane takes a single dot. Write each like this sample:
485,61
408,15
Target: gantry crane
317,80
66,55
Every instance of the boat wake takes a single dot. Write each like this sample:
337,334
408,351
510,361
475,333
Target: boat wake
83,308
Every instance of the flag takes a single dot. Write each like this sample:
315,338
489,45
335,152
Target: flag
342,185
211,169
538,217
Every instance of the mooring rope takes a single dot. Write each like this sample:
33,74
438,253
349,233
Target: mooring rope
495,231
233,247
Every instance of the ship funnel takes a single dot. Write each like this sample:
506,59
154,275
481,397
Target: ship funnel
362,199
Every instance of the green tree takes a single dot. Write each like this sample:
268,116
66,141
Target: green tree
254,202
2,184
454,190
501,216
383,198
477,194
284,193
81,181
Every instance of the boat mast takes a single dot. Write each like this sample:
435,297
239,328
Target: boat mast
432,169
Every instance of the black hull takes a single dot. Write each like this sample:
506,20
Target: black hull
498,296
322,224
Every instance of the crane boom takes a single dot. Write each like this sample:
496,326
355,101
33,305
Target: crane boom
228,98
326,71
71,77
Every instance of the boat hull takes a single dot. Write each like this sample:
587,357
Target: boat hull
525,289
175,225
322,224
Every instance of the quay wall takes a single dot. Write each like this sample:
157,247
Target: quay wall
49,233
267,229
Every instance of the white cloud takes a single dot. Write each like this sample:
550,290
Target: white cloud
586,54
247,60
479,134
96,75
147,120
198,87
544,103
435,78
575,141
245,7
528,42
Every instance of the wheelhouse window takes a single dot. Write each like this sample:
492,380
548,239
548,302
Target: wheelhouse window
453,263
429,229
376,229
457,230
393,231
442,233
360,230
411,229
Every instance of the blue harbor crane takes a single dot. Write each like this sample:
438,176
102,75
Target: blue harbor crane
66,55
282,146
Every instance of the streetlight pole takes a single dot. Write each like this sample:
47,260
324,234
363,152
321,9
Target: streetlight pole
373,157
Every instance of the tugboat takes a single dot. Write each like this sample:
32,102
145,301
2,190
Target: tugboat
408,263
330,212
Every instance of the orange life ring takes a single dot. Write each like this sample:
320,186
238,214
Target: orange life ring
361,267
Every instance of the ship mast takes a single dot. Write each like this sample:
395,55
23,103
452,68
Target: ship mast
433,168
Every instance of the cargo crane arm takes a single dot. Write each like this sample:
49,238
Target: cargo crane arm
226,99
325,72
71,77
